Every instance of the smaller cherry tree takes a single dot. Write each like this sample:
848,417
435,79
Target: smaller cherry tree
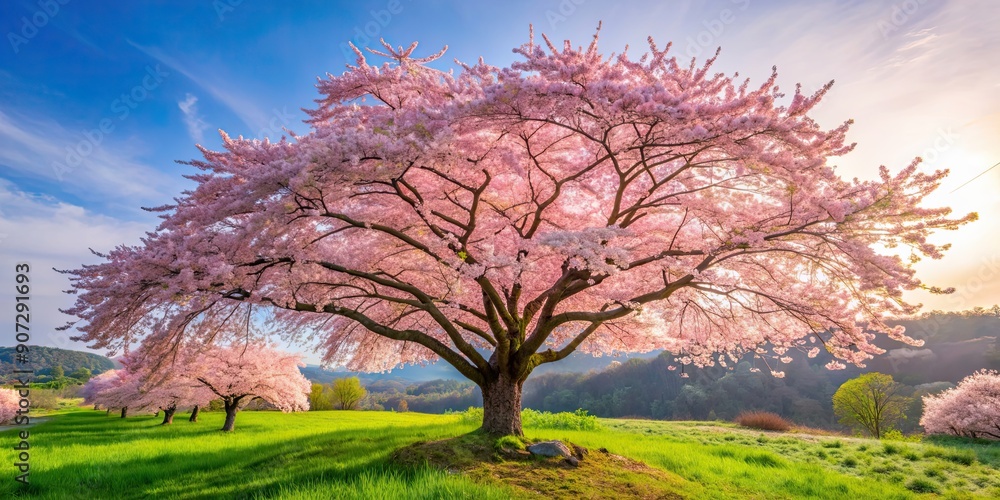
9,401
239,374
172,389
972,409
113,389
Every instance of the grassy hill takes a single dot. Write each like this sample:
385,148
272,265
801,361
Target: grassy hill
81,453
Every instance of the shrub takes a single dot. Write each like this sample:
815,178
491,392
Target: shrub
578,420
474,415
44,399
836,443
850,462
895,435
763,420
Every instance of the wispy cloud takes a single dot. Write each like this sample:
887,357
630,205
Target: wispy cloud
95,167
47,233
243,108
195,125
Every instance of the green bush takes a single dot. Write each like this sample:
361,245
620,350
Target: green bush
474,415
896,435
44,399
578,420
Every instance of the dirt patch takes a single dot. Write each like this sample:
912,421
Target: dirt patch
598,475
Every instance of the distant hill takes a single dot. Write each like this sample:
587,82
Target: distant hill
406,374
42,359
956,345
577,362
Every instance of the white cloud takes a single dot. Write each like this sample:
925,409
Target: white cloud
244,108
46,234
89,163
195,125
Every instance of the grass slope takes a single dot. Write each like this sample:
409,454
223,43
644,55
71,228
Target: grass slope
81,453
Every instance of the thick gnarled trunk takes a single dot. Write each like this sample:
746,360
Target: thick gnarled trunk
124,411
502,407
194,414
232,406
168,415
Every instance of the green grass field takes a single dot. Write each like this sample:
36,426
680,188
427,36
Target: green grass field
81,453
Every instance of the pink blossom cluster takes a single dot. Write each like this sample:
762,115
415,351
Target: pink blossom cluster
9,401
190,378
570,201
971,409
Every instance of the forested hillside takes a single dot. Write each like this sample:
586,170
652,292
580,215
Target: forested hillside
43,359
956,344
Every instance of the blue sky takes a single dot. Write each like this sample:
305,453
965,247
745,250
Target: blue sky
98,99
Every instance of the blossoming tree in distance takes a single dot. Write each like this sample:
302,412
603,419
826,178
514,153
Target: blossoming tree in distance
172,386
503,218
239,374
9,403
115,389
971,409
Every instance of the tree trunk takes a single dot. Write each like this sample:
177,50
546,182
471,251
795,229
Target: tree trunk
194,414
108,412
168,415
232,406
502,407
124,411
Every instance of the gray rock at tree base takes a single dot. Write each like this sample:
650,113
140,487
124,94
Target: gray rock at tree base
550,449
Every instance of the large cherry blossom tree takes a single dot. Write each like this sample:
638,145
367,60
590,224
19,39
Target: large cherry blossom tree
971,409
502,218
239,374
